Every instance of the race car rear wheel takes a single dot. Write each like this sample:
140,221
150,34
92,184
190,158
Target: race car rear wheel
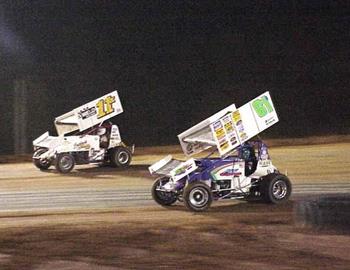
120,157
197,197
163,198
65,163
42,164
276,188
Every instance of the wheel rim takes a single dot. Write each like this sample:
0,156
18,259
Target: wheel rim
279,189
66,163
44,162
123,157
199,197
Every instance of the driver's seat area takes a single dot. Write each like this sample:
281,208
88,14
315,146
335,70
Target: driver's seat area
247,153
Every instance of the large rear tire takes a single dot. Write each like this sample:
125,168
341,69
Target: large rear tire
120,156
197,197
162,197
42,164
276,188
65,163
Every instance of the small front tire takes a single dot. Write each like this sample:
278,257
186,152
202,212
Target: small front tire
42,164
65,163
197,197
163,198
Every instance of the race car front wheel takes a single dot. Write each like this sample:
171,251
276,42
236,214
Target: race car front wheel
197,196
42,164
120,156
161,197
276,188
64,163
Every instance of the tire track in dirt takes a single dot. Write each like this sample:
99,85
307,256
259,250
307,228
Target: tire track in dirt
117,197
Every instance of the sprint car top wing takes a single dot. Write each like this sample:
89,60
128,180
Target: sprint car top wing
199,137
230,127
89,114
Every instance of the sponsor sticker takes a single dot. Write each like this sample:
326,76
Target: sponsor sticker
87,113
183,169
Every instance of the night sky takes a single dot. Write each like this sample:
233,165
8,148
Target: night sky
175,63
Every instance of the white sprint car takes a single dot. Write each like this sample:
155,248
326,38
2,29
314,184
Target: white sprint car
84,136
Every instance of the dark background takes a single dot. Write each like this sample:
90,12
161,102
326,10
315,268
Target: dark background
175,63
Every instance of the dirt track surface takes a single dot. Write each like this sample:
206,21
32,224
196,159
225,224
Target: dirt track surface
232,235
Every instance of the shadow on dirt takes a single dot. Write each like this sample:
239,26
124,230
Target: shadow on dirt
248,213
252,207
102,171
327,212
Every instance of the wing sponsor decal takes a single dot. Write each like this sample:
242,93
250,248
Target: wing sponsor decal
105,106
87,113
183,169
239,125
224,134
98,110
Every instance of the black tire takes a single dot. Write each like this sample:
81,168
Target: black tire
197,196
276,188
64,163
161,197
41,164
120,157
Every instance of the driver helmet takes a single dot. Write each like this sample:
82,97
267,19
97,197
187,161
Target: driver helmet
101,131
246,153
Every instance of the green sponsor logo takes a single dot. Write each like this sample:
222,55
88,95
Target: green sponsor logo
262,106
